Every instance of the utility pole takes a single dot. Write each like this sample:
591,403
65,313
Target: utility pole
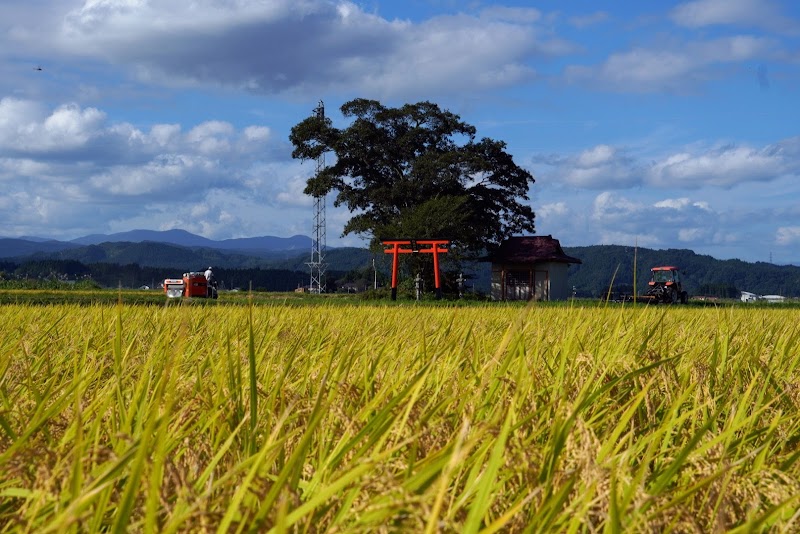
318,243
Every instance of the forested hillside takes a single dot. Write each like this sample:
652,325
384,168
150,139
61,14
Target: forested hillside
151,254
702,275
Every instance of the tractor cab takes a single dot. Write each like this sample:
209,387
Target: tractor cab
664,275
665,286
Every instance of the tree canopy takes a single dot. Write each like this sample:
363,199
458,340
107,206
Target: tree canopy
417,172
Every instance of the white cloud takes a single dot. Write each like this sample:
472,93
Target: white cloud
29,129
662,223
674,68
68,166
257,134
293,195
15,168
165,135
304,45
212,137
682,204
556,209
694,167
673,203
599,155
172,175
599,167
724,166
763,14
692,235
607,206
25,126
788,235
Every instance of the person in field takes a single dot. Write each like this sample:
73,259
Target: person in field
209,274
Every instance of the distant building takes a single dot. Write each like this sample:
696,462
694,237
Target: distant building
748,297
752,297
530,267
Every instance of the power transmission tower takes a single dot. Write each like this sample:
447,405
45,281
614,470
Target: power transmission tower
318,245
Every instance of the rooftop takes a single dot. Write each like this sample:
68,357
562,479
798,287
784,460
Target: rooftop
531,249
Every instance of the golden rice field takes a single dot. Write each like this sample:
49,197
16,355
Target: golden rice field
398,419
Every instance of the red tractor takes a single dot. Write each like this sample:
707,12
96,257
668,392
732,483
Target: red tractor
665,286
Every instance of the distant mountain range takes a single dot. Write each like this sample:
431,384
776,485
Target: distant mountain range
187,239
181,250
25,246
11,247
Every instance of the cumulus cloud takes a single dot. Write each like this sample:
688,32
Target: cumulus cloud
599,167
624,220
610,207
691,235
256,134
63,165
302,45
788,235
171,174
212,137
763,14
293,194
718,166
25,126
556,209
724,166
674,68
165,135
681,204
29,128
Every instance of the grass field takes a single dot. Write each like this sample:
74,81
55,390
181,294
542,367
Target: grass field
372,418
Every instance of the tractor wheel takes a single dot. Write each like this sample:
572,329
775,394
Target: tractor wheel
684,297
673,296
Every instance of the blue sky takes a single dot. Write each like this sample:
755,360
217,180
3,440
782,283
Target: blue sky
667,124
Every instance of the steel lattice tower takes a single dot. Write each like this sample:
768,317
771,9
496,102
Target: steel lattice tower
318,245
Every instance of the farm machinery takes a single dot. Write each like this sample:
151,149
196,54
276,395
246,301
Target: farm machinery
665,286
193,284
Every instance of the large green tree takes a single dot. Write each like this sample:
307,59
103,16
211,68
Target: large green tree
417,172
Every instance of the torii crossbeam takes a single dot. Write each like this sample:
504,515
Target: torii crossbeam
395,247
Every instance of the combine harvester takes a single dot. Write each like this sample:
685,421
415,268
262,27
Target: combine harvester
192,285
665,287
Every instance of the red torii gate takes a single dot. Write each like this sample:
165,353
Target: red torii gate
414,246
